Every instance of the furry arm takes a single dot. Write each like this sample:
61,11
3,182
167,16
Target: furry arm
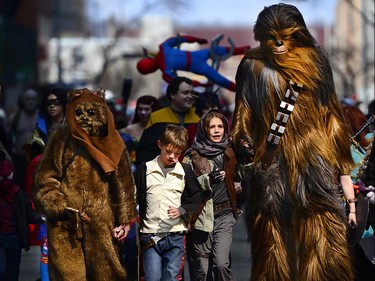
48,178
122,189
241,137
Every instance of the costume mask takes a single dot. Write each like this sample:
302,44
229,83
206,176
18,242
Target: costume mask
92,118
91,122
6,175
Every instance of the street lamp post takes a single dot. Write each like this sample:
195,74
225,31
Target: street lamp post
58,37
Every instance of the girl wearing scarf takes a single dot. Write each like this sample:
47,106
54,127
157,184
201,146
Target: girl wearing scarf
211,228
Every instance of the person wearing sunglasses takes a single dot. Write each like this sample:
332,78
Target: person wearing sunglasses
51,116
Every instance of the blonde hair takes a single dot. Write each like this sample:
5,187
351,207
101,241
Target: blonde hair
175,135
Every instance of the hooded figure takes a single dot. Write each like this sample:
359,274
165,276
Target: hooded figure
84,187
210,238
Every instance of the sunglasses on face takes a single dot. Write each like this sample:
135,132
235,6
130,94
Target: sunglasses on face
54,102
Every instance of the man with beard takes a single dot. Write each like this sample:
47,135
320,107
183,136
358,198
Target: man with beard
180,111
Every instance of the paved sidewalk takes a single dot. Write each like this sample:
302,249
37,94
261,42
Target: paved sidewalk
29,270
240,257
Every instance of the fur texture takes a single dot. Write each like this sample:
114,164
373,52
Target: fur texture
93,124
295,222
78,250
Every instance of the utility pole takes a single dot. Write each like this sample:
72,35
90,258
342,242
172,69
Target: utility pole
58,37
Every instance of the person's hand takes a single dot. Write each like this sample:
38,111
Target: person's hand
120,232
238,187
352,220
173,212
216,176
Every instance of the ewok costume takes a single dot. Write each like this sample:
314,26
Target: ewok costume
288,113
85,188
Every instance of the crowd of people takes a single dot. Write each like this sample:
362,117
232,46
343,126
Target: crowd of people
190,144
138,202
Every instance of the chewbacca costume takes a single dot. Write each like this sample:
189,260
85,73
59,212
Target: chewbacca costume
90,174
296,224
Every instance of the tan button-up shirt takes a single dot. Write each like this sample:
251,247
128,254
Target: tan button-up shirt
162,192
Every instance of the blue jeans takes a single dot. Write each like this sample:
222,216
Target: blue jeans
10,256
162,262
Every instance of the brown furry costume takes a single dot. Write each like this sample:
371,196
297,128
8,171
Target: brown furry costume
296,225
97,183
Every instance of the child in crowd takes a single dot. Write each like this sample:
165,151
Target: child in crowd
168,193
210,238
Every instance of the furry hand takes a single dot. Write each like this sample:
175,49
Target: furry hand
54,205
245,150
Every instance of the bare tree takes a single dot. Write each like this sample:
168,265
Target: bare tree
131,24
349,72
367,19
352,61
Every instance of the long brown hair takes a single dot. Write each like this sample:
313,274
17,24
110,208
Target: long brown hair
316,126
212,114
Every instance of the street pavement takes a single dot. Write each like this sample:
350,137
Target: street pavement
29,270
240,253
241,262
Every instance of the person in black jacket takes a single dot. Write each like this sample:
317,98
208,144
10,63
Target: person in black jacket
16,215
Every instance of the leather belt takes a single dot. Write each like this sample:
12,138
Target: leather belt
156,237
164,234
277,129
220,206
146,245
